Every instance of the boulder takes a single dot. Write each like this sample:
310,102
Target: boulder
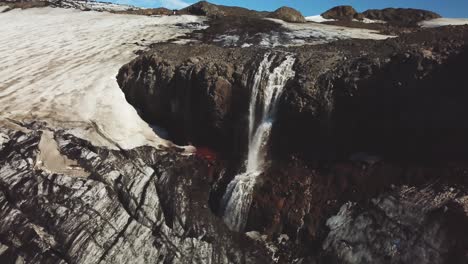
288,14
204,8
340,13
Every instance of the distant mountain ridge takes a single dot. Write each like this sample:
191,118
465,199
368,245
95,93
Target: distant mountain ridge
395,16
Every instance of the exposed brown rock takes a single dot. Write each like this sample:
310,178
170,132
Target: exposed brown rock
400,16
288,14
341,13
204,8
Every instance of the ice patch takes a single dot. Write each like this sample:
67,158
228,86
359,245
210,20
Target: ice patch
59,66
440,22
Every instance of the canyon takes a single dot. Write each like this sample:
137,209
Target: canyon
227,135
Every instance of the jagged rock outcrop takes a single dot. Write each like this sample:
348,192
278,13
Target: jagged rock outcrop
296,200
142,205
408,225
288,14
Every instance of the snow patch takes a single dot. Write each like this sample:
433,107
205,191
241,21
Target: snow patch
440,22
59,66
318,19
228,40
4,8
370,21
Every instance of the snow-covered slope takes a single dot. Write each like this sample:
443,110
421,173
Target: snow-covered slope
59,66
439,22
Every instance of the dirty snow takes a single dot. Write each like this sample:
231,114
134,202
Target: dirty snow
370,21
298,34
59,66
440,22
50,158
313,33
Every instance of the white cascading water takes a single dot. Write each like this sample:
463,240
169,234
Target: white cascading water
238,196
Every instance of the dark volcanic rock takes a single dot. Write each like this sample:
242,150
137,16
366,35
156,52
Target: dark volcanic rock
394,91
400,16
341,13
288,14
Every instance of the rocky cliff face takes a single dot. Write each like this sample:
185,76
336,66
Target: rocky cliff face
363,119
200,93
379,98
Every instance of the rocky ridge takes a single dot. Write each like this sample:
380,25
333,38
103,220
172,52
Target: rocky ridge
394,16
213,11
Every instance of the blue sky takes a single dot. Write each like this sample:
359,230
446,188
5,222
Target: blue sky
447,8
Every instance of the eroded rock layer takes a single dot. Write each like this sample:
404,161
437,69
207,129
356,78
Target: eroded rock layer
140,205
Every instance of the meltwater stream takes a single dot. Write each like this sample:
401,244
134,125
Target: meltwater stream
267,88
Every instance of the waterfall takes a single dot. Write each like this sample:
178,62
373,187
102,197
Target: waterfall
267,88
